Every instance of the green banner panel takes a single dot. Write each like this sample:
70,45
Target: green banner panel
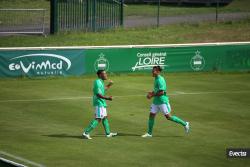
171,59
41,63
79,61
235,59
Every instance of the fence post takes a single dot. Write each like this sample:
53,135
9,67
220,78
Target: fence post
44,15
121,13
158,13
94,15
217,8
53,17
87,15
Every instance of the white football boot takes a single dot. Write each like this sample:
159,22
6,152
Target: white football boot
86,136
146,135
187,127
112,135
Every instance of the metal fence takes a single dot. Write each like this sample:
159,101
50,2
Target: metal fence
22,21
85,15
204,2
158,14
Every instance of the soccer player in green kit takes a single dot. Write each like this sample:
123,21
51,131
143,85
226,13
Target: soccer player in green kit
99,103
161,103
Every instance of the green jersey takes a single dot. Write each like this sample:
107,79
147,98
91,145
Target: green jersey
160,84
99,88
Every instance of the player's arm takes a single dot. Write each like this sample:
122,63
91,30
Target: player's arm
159,93
152,94
109,84
104,97
98,92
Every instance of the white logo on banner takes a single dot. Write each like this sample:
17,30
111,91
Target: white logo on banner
148,60
101,63
197,62
46,67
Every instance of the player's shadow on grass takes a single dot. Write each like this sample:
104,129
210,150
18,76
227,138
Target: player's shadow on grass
120,134
64,136
94,135
127,134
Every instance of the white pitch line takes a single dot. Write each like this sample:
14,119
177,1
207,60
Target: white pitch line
21,159
126,46
12,162
204,93
49,99
177,93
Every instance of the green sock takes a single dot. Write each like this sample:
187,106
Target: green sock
91,126
151,121
105,124
178,120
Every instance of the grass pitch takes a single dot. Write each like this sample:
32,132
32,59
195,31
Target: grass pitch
42,120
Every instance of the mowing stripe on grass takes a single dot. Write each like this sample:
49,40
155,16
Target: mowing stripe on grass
20,159
177,93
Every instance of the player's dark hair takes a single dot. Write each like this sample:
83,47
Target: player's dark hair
99,72
158,68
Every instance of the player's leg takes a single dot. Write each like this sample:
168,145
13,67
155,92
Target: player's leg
90,127
176,119
93,123
166,109
179,121
105,123
151,120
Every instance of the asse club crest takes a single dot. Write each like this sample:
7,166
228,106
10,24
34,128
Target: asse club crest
197,62
101,63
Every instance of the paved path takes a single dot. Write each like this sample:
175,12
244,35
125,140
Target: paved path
141,21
